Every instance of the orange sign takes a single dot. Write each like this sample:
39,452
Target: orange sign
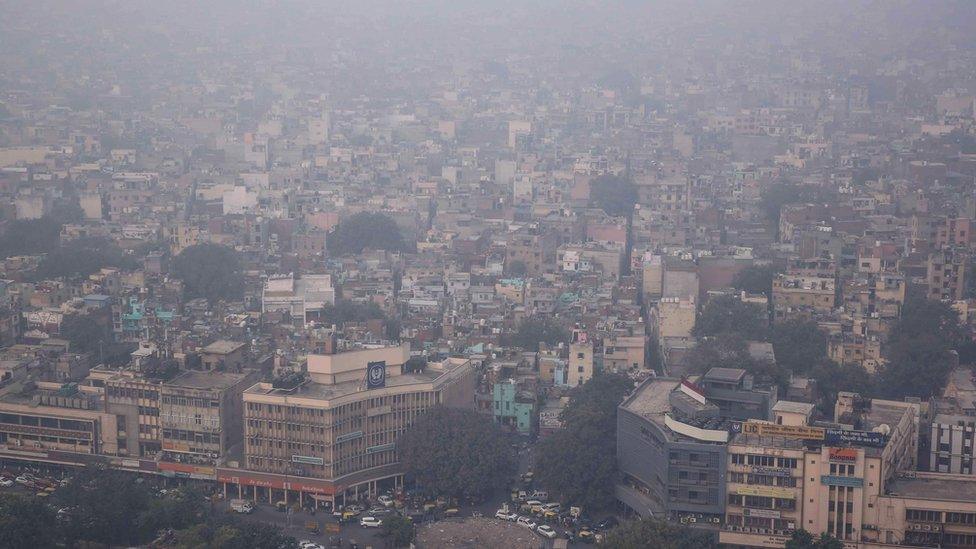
843,454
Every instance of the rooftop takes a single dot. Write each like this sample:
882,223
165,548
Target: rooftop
725,375
222,347
957,488
206,380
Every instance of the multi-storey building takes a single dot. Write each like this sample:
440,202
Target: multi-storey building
334,434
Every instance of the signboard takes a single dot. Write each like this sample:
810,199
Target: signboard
376,374
761,513
846,455
840,437
788,431
831,480
765,491
380,448
307,460
772,471
349,436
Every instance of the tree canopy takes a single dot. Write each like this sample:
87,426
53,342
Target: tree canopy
920,349
25,523
802,539
534,330
572,463
660,534
82,257
729,314
398,531
211,271
799,345
613,194
755,279
365,230
456,452
30,237
731,350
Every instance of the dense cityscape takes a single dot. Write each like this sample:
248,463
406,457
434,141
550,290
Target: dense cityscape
488,273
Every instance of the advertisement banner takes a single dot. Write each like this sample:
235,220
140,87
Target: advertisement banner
765,491
831,480
841,437
788,431
845,455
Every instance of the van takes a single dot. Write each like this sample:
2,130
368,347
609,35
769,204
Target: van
540,495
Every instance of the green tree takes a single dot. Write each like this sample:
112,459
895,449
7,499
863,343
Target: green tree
534,330
755,279
779,194
919,349
25,523
731,350
729,314
211,271
30,237
180,509
613,194
639,534
82,257
801,539
456,452
832,378
346,310
230,534
365,230
86,334
517,269
572,463
398,531
799,345
103,507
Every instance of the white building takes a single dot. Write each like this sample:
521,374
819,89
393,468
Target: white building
304,297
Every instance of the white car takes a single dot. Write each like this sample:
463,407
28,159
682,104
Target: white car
6,482
306,544
527,522
25,479
551,507
505,515
546,531
386,501
370,522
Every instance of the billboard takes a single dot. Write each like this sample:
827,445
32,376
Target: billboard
831,480
789,431
765,491
841,437
846,455
376,375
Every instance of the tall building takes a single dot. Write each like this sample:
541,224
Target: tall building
333,434
579,370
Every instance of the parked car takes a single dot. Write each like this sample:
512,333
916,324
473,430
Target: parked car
505,515
6,482
551,507
546,531
385,501
527,522
25,479
307,544
241,506
534,504
370,522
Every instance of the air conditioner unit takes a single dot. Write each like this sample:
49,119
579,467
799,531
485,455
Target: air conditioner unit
936,527
928,527
916,527
692,520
